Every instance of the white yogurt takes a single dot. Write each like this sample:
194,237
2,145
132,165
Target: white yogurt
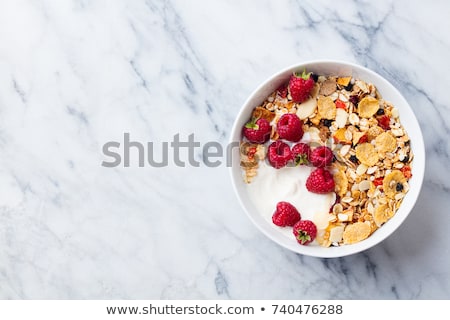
271,186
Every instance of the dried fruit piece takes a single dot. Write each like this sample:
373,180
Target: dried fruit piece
339,136
382,214
356,232
406,170
366,153
385,142
340,183
326,108
390,182
340,104
344,81
367,107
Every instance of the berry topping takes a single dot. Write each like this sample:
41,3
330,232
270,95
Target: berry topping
279,154
383,122
321,157
285,215
320,181
289,127
300,86
257,131
305,231
354,99
340,104
301,153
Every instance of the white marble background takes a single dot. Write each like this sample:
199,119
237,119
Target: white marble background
76,74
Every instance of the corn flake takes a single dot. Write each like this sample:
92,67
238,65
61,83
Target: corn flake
367,107
366,153
356,232
326,108
385,142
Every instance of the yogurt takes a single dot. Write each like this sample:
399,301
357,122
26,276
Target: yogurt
271,186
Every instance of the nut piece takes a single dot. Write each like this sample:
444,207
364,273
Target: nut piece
356,232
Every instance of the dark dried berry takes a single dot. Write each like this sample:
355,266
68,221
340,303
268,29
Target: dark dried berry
354,99
353,159
349,87
405,159
327,122
380,112
399,187
315,77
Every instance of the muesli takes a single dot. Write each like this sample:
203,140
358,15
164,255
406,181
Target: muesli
353,142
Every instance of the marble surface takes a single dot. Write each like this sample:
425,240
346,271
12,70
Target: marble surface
75,75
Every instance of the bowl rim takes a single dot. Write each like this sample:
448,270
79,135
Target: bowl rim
418,168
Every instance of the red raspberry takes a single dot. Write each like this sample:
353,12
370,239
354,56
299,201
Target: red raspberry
300,86
321,157
257,131
279,154
320,181
305,231
301,153
289,127
285,215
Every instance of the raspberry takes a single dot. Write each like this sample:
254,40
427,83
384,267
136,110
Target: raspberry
305,231
301,153
285,214
257,131
300,86
320,181
279,154
321,157
289,127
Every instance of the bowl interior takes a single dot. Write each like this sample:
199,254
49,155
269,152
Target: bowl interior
409,122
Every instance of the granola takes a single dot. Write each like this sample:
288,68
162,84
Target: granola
372,153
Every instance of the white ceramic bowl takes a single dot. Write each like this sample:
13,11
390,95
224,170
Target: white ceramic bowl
407,117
